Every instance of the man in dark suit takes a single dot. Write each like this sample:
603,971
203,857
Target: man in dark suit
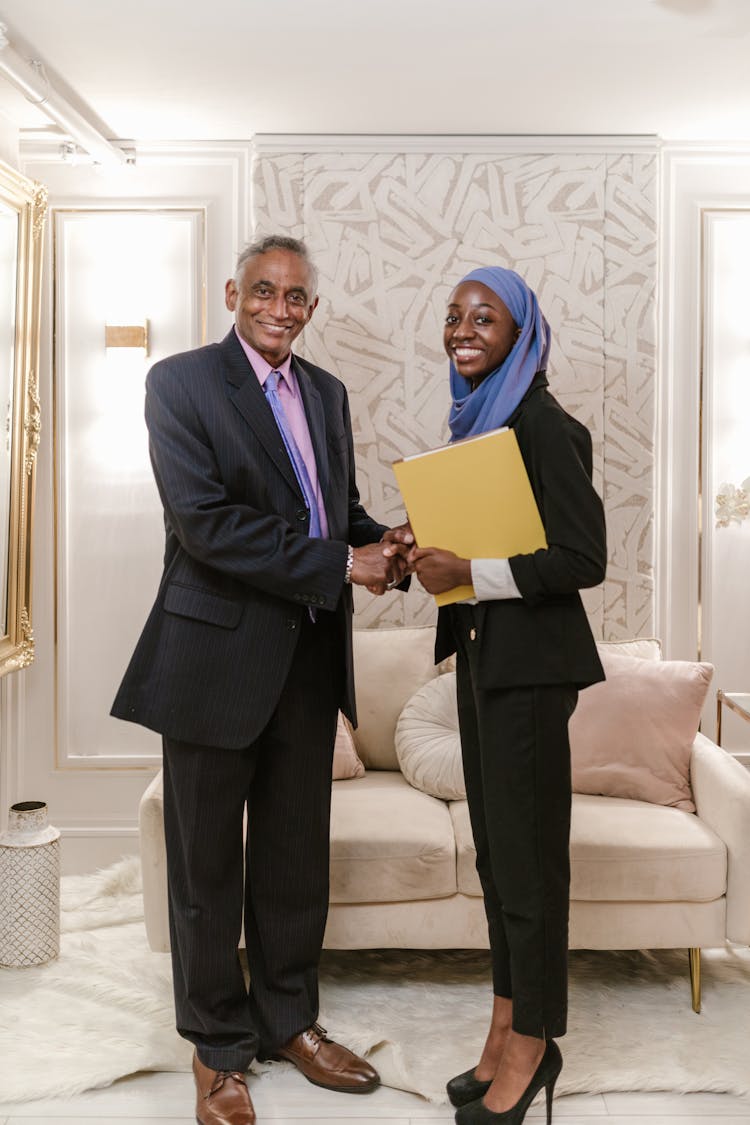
242,666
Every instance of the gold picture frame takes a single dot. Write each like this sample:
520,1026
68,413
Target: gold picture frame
23,208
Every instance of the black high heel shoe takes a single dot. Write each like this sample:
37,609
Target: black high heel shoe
546,1074
465,1088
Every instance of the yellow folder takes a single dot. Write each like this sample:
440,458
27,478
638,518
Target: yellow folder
473,498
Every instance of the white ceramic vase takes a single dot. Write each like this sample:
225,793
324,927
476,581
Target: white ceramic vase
29,887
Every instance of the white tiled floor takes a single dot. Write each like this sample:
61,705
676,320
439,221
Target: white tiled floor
287,1099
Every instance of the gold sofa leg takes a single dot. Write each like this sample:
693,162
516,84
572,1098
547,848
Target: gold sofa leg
695,978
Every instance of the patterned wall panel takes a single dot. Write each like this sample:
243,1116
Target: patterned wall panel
630,393
276,195
392,233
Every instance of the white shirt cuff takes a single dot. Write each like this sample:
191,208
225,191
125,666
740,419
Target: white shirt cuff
492,580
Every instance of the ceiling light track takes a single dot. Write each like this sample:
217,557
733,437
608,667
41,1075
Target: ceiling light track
28,76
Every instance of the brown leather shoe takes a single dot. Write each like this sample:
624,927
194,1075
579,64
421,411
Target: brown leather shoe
328,1064
222,1096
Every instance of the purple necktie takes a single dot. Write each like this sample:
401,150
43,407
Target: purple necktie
271,387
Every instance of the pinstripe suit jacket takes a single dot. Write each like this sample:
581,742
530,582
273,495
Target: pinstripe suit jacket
239,566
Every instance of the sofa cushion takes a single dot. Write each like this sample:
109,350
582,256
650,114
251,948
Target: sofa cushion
389,842
389,666
636,851
346,761
428,746
631,736
624,851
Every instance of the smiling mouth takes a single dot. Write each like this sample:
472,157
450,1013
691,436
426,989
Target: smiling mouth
276,329
463,354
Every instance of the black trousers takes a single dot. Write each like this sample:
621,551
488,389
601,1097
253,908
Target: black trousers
280,878
516,759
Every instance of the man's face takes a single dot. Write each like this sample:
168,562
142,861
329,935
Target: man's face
273,304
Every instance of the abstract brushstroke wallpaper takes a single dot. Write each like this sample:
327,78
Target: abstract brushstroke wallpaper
392,233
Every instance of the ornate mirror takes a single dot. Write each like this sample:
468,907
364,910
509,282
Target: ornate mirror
23,206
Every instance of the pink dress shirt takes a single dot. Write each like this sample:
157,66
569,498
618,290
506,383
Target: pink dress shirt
294,408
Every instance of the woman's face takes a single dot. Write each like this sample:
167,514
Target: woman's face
479,331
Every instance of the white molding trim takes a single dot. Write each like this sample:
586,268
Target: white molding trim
112,763
97,831
37,146
452,143
707,151
41,146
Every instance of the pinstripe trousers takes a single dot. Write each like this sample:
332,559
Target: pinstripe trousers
280,877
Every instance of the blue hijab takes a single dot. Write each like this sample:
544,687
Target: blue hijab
497,396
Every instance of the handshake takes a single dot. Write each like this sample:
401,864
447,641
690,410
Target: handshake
384,565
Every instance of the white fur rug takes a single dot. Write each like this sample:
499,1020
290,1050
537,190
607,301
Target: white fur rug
104,1009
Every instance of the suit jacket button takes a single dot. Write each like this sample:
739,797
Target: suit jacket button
291,623
301,513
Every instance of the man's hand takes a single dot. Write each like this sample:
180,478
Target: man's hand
402,534
439,570
399,541
375,570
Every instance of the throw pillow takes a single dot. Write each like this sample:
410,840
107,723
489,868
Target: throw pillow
428,746
647,648
346,760
631,736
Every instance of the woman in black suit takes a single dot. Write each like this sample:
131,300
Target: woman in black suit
524,649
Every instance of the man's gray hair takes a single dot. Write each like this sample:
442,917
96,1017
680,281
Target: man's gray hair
276,242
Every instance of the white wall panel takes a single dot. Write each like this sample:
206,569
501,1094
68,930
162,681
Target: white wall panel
696,179
725,539
112,268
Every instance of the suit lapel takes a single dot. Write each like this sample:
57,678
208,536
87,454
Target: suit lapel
247,396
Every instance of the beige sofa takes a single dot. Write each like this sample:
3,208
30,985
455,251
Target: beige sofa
402,864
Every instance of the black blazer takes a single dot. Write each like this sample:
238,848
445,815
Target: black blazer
239,567
544,636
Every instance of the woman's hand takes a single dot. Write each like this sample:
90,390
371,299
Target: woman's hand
439,570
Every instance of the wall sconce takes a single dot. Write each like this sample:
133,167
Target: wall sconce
127,336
